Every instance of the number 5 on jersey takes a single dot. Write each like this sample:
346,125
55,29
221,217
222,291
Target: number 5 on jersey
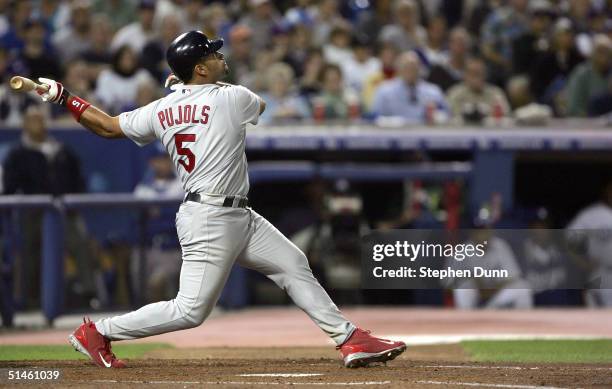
189,162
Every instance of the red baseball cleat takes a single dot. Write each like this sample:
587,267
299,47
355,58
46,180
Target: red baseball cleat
87,340
361,349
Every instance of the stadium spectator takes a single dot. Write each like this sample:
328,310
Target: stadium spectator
408,96
406,33
581,12
593,224
334,101
361,65
146,93
550,71
501,27
489,292
302,13
17,15
602,103
99,57
37,59
163,253
123,11
215,20
474,99
300,47
590,79
281,45
239,58
388,58
447,74
55,13
310,81
327,17
544,263
434,50
74,39
12,104
192,11
518,92
370,22
256,80
261,19
282,103
533,42
153,57
78,80
137,34
117,87
338,49
39,164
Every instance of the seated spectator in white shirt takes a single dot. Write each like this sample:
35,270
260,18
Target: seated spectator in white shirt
435,49
117,87
338,49
408,96
361,66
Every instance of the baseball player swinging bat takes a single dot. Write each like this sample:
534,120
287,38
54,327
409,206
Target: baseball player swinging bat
202,126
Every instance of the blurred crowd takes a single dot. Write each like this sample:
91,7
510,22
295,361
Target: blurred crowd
394,61
405,61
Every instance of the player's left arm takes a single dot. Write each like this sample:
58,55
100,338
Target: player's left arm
90,117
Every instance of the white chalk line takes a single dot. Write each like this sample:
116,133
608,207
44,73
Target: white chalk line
513,367
479,367
421,340
362,383
478,384
284,375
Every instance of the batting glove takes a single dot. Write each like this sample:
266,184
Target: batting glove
55,91
172,80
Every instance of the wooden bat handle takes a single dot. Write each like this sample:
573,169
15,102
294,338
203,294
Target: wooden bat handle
23,84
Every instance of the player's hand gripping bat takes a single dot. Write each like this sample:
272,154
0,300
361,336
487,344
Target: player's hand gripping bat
49,90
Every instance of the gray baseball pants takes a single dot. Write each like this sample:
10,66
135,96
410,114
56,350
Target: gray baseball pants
213,238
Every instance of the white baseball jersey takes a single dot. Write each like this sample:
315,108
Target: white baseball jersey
203,129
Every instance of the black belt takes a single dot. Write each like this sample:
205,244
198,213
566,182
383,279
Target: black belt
228,201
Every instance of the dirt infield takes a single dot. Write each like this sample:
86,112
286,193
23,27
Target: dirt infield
420,367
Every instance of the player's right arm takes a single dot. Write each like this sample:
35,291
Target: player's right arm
101,123
90,117
135,125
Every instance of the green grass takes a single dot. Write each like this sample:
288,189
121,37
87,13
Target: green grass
542,351
60,352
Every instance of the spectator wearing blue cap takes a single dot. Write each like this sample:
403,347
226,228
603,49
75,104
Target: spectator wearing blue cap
38,59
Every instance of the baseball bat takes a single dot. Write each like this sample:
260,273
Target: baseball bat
23,84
